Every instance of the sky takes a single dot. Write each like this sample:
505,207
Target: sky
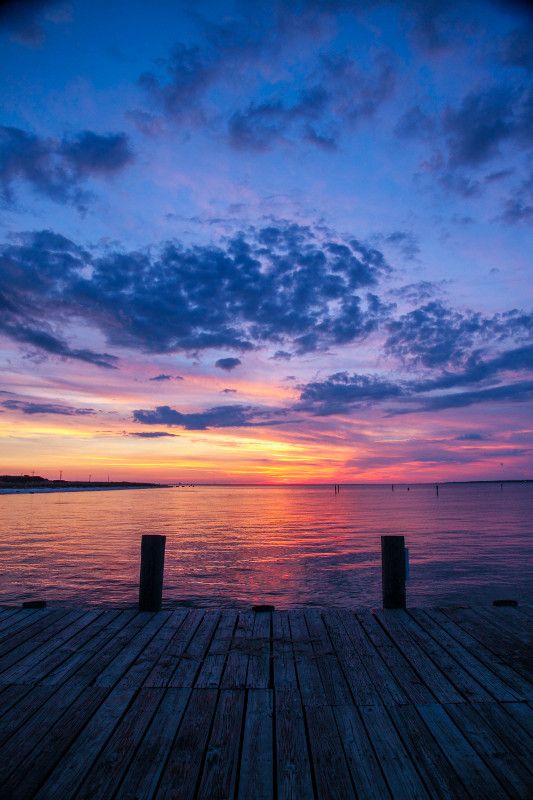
261,241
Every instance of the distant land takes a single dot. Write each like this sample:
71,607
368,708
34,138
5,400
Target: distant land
36,483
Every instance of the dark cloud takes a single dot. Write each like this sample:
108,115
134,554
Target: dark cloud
228,391
229,416
283,283
281,355
59,168
479,129
228,363
419,292
23,19
470,437
33,274
342,392
152,434
339,92
29,407
517,48
435,335
404,241
179,88
161,377
520,391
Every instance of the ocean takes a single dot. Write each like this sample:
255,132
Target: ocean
285,545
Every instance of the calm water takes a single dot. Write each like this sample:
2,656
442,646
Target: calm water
290,546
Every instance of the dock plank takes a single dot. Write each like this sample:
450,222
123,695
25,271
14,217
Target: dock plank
256,777
307,704
144,773
182,769
221,767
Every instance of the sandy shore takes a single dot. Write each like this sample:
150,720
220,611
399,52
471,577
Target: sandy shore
53,490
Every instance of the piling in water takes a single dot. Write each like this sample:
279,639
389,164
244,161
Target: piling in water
393,571
151,577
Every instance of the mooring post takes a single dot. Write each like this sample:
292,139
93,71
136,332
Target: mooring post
393,571
151,578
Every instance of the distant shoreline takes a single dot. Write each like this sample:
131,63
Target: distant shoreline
76,486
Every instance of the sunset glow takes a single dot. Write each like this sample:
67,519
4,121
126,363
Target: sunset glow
266,242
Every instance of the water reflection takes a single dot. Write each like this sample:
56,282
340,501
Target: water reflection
289,546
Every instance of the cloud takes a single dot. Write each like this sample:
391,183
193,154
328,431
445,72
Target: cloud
519,391
228,416
161,377
339,93
152,434
435,335
56,168
33,272
404,241
281,355
485,125
29,407
419,292
470,437
228,363
342,392
23,19
228,391
283,283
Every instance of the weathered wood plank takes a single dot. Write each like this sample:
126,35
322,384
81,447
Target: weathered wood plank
284,667
472,770
398,768
105,775
329,763
309,680
293,771
505,726
221,762
40,761
32,638
364,642
165,665
38,664
190,663
122,661
449,666
256,777
335,686
505,647
433,677
142,777
482,674
364,767
509,771
211,671
184,763
361,686
258,675
142,666
412,686
69,773
436,771
14,620
516,682
114,627
236,669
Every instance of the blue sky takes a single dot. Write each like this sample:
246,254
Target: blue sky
335,204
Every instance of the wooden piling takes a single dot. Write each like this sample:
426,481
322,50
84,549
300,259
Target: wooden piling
393,571
151,576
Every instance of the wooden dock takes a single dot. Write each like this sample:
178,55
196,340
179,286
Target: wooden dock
318,703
